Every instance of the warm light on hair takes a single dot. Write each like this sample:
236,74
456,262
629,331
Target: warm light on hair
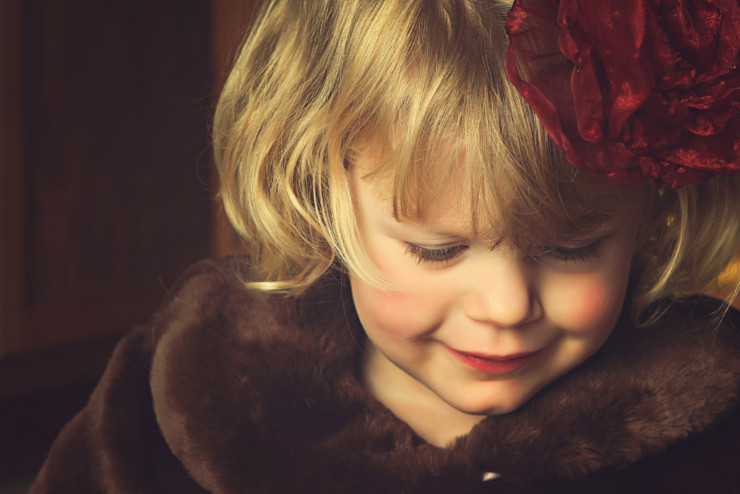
318,82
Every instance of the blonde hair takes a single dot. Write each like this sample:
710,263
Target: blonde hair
316,81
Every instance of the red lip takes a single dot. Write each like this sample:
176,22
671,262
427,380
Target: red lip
494,364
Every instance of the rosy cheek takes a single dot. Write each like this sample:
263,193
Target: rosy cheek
399,313
584,305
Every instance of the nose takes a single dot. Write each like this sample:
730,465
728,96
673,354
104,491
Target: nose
502,293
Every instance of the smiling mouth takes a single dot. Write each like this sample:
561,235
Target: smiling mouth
494,364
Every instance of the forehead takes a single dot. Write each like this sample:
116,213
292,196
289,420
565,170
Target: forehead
436,195
448,215
460,198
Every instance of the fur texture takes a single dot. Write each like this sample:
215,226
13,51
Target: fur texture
235,392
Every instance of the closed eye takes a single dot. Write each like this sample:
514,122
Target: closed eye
573,254
434,254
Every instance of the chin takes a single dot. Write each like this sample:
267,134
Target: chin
488,407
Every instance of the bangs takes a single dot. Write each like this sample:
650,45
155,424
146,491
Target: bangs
455,122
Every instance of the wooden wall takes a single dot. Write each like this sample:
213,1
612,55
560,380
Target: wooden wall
106,188
106,153
106,192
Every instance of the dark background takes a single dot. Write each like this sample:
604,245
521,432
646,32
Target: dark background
106,189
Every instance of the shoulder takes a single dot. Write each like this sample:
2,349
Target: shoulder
691,371
208,331
679,377
695,346
211,325
217,377
234,369
214,290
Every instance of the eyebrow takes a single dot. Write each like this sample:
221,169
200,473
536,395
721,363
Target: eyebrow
454,232
600,226
429,228
448,232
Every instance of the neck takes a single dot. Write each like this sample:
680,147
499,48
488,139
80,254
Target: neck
433,419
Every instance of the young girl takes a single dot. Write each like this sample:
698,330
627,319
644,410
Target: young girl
444,294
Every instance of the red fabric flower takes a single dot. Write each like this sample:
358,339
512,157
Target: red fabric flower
633,88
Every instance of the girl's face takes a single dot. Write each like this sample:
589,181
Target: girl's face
477,325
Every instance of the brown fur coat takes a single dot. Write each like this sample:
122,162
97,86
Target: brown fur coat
234,392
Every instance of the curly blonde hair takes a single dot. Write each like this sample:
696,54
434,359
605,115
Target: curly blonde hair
316,81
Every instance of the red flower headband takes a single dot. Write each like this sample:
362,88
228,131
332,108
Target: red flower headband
631,89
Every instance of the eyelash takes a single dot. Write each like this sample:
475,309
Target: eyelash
439,255
573,254
444,255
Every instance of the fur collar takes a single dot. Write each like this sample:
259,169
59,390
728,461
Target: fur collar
250,389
